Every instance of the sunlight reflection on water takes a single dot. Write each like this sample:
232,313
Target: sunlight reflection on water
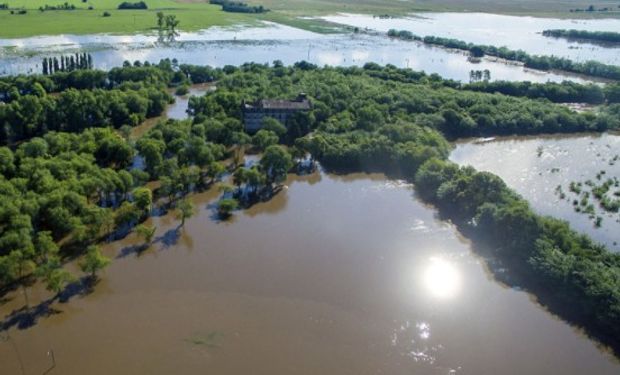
442,279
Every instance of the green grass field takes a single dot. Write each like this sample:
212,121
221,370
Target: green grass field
193,16
554,8
198,14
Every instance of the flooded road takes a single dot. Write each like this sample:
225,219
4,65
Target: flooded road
335,275
535,166
218,47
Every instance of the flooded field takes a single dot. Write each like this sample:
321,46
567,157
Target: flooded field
234,46
523,33
335,275
535,166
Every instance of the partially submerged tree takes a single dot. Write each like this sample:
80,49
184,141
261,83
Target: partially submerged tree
185,210
143,199
226,206
146,232
276,163
94,261
54,275
19,264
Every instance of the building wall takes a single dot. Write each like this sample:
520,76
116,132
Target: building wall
253,119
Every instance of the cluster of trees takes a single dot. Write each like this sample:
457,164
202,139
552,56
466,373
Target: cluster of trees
4,6
238,6
591,8
61,187
456,113
50,65
136,5
598,36
64,6
165,73
188,155
564,92
403,34
167,27
479,76
74,110
591,67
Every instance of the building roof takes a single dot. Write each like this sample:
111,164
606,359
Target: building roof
284,104
301,103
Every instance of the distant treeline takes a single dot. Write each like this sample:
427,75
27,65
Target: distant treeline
600,36
65,6
4,6
238,6
591,68
591,8
14,87
68,63
565,92
128,5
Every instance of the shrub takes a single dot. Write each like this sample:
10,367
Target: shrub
182,90
128,5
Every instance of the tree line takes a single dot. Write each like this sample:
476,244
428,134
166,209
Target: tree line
599,36
239,6
564,92
68,63
73,110
130,5
590,67
64,6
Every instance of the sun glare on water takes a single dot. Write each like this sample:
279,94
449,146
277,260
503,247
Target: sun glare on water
441,278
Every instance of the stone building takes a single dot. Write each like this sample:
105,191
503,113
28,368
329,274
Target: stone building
281,110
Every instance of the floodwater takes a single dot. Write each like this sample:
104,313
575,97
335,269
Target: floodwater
335,275
535,166
514,32
175,111
234,46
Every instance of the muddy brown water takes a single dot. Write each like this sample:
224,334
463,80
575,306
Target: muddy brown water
335,275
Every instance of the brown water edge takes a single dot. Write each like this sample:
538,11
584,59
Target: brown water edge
336,274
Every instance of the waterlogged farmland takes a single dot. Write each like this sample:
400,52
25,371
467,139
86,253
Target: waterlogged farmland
524,33
234,46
